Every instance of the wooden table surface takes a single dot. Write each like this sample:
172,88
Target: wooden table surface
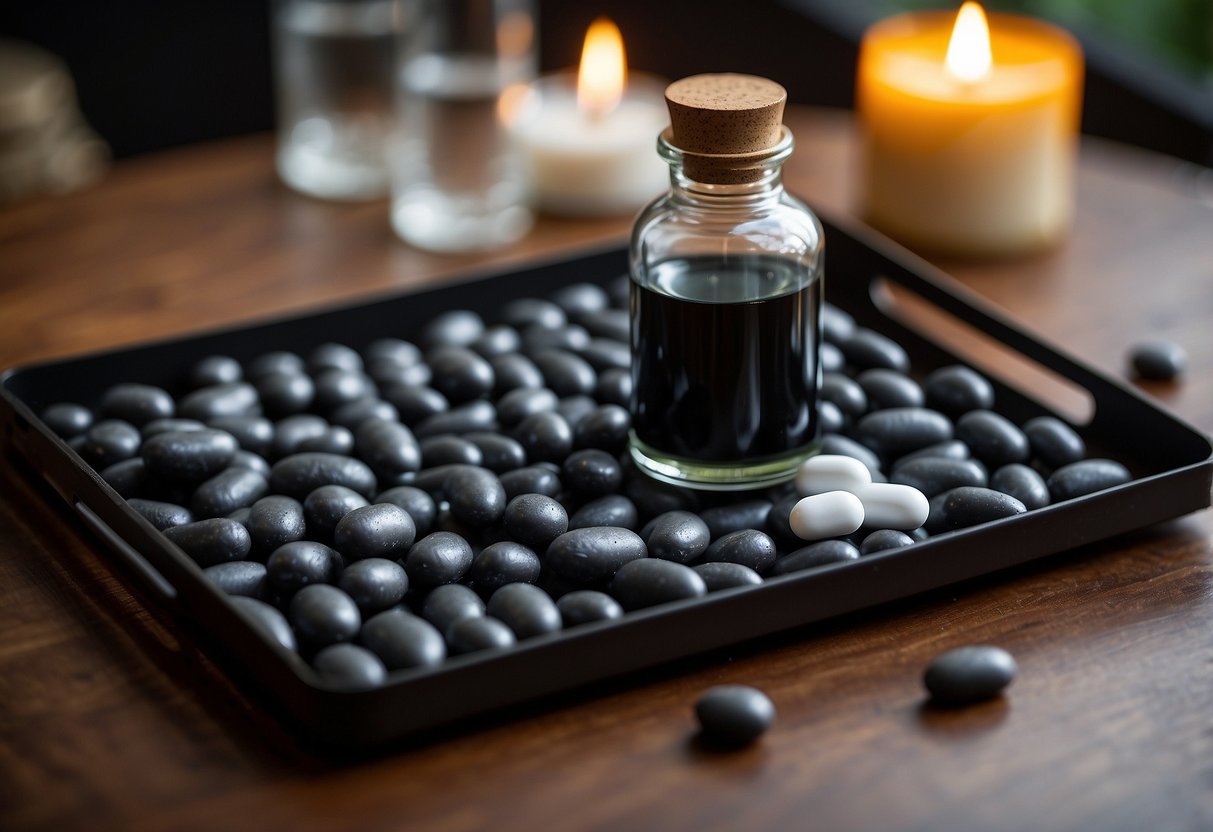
109,718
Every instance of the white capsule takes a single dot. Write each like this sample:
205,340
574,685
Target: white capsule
888,505
831,472
831,514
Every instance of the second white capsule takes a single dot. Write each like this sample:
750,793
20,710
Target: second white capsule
890,506
831,472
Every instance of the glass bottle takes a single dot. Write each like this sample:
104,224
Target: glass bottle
726,292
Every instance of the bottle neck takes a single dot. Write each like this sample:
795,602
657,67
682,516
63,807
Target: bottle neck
734,180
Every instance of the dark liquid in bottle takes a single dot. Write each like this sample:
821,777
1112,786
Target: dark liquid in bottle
724,358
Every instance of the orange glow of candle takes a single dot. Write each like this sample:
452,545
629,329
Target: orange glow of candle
602,75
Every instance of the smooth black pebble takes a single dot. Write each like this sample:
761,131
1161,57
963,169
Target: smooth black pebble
968,506
380,530
592,472
1022,483
469,635
501,563
992,438
936,474
647,582
476,496
677,536
815,554
526,609
882,539
322,615
593,554
438,558
389,448
212,541
865,348
460,374
111,441
611,510
419,504
899,430
957,389
967,675
230,489
498,453
535,520
1158,360
722,575
238,577
324,507
745,514
890,388
749,547
1053,442
160,514
301,563
1086,477
401,640
446,604
349,667
584,606
274,521
734,715
137,403
300,474
532,479
546,436
68,419
375,584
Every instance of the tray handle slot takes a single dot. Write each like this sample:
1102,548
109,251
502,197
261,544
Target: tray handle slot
148,575
1121,417
879,260
977,348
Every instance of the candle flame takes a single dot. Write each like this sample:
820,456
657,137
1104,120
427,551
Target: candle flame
969,56
603,72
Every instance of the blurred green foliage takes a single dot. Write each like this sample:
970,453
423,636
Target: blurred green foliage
1178,32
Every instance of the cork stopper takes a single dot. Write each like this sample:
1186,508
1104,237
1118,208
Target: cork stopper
723,116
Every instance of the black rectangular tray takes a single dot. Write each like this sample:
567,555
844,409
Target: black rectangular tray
1170,462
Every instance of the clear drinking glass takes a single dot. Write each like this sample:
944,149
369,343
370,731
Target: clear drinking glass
333,81
458,182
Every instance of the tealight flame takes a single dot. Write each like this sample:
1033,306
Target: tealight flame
603,72
969,56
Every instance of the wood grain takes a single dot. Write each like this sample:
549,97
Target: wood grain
110,718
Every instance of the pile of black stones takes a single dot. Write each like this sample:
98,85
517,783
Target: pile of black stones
469,488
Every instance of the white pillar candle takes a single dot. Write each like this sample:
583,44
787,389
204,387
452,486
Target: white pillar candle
590,139
593,166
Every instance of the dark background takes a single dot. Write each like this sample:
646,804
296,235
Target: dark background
153,74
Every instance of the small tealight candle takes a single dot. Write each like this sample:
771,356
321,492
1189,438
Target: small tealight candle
969,131
590,139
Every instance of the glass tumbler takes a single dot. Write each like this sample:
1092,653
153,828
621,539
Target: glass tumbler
333,84
458,182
